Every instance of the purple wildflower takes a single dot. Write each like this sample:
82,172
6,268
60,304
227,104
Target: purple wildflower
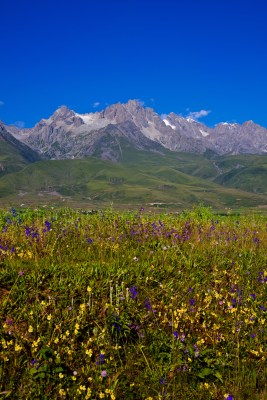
47,225
162,381
192,302
101,359
14,212
104,373
253,296
134,292
176,335
148,304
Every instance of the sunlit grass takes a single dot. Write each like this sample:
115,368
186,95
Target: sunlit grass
132,305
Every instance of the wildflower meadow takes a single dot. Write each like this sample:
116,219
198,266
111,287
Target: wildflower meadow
132,305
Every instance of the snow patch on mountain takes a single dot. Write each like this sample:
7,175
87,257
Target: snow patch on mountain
87,118
228,124
167,123
204,133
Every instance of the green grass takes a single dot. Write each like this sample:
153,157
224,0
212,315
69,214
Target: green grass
132,305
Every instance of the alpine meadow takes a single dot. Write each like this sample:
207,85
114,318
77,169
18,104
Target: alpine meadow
133,200
133,305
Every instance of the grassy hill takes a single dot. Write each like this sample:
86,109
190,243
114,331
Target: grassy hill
161,178
152,180
247,172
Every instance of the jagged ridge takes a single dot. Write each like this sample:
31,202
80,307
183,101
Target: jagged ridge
67,134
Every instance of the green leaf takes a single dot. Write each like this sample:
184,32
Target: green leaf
33,371
43,368
59,369
46,353
40,375
219,376
205,372
165,356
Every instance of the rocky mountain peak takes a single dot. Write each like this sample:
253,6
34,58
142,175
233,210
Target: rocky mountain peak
130,111
134,105
250,123
62,112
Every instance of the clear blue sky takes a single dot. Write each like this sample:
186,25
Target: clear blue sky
180,56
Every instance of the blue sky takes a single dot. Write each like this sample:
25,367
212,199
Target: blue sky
180,56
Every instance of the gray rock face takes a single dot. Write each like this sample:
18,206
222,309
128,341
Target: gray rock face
239,139
67,134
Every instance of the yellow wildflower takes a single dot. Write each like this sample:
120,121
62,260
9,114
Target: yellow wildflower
89,352
18,347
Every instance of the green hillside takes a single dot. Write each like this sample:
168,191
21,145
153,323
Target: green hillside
246,172
14,155
162,178
95,182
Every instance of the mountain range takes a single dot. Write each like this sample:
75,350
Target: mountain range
129,154
70,135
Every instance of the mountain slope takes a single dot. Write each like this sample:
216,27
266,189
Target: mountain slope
13,154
